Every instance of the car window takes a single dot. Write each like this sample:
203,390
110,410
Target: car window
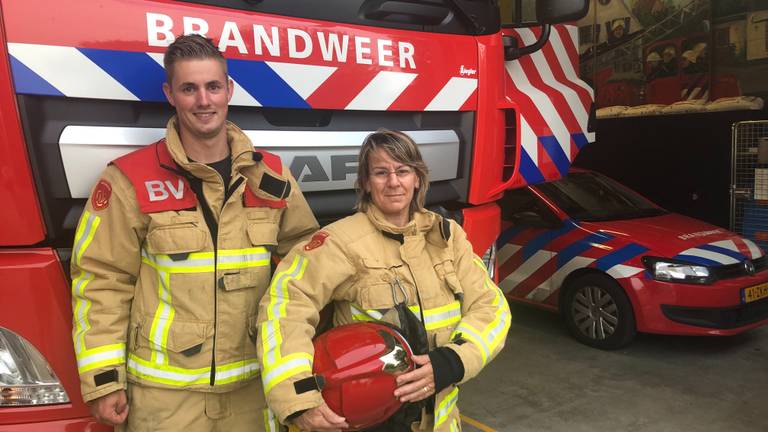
593,197
524,208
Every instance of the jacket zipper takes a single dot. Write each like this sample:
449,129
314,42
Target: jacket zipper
227,194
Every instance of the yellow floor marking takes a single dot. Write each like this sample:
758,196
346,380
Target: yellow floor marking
477,424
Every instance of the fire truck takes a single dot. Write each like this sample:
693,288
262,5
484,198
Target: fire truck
487,89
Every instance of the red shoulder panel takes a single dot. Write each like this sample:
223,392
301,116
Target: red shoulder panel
272,161
251,200
157,188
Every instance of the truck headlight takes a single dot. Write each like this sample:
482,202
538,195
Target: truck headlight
669,270
26,378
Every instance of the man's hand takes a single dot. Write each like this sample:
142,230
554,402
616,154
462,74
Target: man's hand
417,384
110,409
321,418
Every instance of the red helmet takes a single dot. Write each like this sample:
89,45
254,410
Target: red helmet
359,363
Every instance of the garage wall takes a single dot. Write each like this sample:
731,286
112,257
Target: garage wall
681,162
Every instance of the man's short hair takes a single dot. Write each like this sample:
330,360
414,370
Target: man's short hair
191,47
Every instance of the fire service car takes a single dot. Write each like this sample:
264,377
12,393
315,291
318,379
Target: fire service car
613,264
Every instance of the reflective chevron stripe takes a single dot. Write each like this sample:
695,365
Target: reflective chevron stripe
95,73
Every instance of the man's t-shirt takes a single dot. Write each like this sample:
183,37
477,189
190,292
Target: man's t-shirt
224,168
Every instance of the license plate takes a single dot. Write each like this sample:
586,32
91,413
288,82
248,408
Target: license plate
755,293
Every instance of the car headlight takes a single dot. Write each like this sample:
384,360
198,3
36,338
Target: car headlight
26,378
669,270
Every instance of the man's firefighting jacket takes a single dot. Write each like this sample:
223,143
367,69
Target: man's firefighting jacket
360,263
168,267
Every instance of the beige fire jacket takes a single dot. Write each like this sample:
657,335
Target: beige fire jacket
158,301
353,264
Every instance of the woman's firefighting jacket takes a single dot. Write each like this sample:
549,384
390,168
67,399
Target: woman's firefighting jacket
168,267
359,263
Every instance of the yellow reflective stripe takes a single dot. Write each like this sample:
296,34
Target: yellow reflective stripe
105,355
455,426
82,306
471,334
494,333
270,421
86,229
442,316
203,262
435,318
270,329
161,322
179,377
360,314
237,371
445,407
286,367
229,259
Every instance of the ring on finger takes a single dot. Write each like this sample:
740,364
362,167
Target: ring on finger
426,389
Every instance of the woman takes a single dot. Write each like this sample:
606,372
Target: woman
391,251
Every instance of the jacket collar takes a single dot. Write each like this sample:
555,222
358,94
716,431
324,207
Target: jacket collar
422,223
240,148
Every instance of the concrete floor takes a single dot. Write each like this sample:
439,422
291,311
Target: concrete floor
546,381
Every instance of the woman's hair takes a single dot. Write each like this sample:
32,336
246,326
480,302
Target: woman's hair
399,147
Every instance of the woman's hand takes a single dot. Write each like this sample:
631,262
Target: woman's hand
320,418
418,384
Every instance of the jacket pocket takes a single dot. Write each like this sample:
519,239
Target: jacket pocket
186,338
176,239
447,273
263,233
375,284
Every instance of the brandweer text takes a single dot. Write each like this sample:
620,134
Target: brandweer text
271,40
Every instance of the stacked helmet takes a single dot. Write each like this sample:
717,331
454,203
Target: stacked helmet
357,365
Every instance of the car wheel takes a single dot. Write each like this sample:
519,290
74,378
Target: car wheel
598,312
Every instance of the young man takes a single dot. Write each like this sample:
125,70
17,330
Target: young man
171,257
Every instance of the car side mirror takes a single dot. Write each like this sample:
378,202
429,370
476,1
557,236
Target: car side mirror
559,11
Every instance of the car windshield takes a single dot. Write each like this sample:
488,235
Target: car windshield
588,196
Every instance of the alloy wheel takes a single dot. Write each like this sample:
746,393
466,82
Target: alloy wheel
594,312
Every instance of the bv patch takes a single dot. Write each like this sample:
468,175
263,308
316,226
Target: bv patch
101,194
316,241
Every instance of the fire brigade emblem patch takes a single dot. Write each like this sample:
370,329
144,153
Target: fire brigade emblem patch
101,194
316,241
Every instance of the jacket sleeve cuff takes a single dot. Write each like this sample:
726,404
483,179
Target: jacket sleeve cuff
470,359
89,388
294,410
447,367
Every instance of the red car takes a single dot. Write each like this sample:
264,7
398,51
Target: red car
614,264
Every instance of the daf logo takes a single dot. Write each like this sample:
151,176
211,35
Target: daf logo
749,267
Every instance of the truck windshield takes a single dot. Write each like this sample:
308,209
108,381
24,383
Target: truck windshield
591,197
470,17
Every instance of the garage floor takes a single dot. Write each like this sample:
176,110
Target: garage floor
546,381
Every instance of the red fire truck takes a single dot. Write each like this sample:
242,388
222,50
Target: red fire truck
489,93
